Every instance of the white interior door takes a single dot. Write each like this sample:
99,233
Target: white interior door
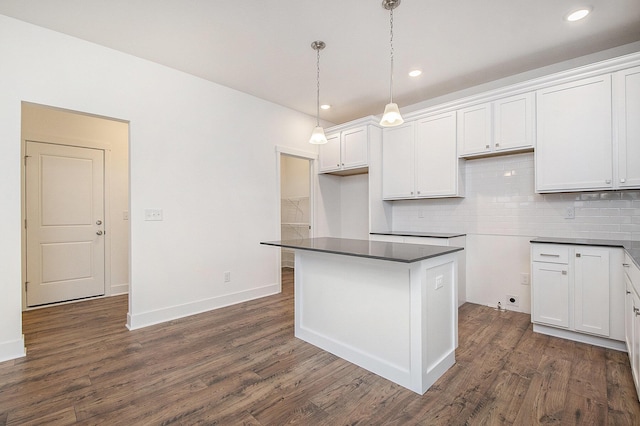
64,189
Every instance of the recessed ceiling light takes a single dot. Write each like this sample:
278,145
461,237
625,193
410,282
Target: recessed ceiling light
325,106
576,15
415,73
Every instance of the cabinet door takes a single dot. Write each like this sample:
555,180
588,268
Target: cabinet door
628,113
635,363
574,142
591,290
355,148
474,129
436,159
397,162
629,315
329,154
550,294
513,119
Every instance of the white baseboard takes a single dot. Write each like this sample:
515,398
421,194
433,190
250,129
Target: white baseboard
146,319
12,349
119,289
580,337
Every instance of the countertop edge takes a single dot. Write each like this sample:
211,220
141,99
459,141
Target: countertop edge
628,246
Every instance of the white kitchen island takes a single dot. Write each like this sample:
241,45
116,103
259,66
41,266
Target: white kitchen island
390,308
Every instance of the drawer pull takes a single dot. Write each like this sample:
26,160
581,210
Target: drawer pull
564,272
578,255
626,265
549,255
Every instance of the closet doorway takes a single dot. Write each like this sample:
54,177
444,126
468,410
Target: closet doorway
296,205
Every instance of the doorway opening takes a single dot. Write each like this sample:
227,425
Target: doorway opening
296,197
75,206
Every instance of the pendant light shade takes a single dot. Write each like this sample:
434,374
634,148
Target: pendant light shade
391,116
317,136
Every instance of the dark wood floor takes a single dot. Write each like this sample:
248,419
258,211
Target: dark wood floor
242,365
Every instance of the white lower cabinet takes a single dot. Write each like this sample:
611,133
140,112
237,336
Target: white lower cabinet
632,318
577,292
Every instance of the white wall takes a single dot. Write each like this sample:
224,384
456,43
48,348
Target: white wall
43,124
501,213
354,201
199,151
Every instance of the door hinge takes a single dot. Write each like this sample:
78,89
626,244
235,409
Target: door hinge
25,224
25,159
26,286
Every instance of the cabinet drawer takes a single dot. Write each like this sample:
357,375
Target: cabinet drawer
550,253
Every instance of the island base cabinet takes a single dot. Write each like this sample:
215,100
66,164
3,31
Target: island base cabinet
394,319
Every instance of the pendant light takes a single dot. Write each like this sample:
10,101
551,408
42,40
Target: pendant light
391,116
317,136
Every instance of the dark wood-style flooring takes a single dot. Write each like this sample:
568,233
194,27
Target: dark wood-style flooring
242,365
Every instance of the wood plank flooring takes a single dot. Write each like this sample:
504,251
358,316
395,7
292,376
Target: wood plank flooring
242,365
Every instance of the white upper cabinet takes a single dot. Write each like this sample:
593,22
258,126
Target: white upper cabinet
398,168
474,129
503,125
419,159
574,136
627,113
514,122
346,150
438,172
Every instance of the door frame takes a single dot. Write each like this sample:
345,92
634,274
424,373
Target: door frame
55,140
312,157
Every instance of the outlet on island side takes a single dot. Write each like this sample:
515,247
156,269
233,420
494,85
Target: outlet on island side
227,276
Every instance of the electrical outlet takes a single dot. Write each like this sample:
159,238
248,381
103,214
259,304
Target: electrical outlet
524,278
512,300
439,283
227,276
570,213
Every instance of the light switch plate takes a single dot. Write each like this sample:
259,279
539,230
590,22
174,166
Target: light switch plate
152,214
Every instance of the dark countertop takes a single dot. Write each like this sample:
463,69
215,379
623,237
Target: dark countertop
420,234
394,252
632,247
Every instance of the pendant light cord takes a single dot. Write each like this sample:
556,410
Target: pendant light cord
391,43
318,88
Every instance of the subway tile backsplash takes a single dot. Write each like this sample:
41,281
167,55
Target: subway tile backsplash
500,200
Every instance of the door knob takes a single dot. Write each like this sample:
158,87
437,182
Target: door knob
99,233
98,222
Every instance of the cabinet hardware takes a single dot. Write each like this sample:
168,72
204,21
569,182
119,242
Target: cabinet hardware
578,255
549,255
626,265
497,145
564,272
608,181
418,192
628,292
99,233
622,180
487,146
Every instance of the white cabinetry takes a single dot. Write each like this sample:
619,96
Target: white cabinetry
419,159
345,150
503,125
574,136
550,285
632,318
577,292
627,108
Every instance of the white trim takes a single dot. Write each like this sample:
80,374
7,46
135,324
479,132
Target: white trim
12,349
146,319
296,152
591,70
580,337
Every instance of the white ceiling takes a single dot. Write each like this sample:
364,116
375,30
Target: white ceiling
263,47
